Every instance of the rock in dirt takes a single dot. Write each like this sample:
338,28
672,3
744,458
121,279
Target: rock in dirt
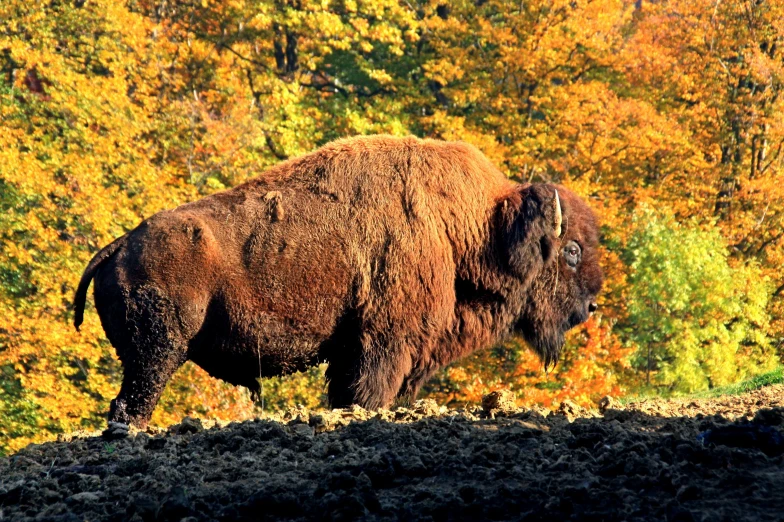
85,496
500,401
770,416
429,407
188,425
303,429
608,403
767,439
570,409
176,505
327,421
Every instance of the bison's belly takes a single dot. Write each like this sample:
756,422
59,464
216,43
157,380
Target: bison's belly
240,347
271,316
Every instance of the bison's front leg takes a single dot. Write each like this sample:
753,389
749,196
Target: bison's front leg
414,381
369,373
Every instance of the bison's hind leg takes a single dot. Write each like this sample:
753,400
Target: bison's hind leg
150,355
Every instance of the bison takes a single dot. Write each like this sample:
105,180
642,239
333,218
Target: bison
387,258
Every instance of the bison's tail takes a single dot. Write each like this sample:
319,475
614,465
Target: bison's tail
92,267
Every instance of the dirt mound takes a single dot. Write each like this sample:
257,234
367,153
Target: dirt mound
718,459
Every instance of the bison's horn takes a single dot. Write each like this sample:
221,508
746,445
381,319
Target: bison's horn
558,216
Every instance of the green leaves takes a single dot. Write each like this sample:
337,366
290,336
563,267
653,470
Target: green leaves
699,320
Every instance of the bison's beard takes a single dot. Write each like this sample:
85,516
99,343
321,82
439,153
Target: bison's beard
546,340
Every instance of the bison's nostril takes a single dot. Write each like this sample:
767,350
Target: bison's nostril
592,307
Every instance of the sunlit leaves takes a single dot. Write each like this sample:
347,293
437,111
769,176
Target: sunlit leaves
697,319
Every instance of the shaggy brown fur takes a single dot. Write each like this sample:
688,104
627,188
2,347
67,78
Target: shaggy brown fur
388,258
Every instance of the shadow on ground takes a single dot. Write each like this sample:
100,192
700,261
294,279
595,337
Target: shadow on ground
716,459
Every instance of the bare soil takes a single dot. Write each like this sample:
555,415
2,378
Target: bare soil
711,459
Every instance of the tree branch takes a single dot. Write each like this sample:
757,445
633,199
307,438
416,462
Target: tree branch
766,244
222,45
274,149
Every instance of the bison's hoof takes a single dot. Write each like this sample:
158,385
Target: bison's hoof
116,430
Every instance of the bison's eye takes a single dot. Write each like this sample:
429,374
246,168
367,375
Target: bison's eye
572,253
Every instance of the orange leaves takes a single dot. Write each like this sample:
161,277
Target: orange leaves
595,364
193,392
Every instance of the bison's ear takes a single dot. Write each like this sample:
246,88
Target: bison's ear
530,225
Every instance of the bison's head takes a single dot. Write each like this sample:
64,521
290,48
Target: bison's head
551,240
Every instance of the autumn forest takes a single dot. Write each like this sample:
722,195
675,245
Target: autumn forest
667,116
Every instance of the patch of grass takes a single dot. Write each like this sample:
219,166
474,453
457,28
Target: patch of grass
764,379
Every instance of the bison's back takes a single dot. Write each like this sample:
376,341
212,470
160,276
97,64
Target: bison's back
375,187
371,222
395,183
